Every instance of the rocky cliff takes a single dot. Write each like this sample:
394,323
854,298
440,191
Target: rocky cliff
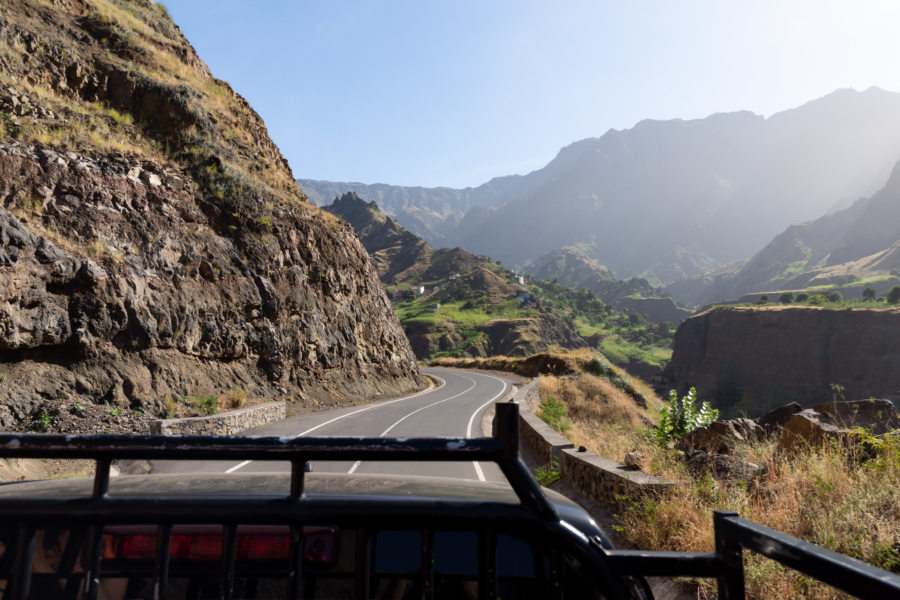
153,241
753,359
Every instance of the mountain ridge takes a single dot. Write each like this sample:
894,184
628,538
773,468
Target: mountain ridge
697,178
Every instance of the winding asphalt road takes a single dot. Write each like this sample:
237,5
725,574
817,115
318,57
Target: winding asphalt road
455,408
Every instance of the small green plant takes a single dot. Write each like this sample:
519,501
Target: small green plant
44,421
837,392
8,127
208,404
555,414
170,407
2,377
547,474
265,221
682,416
114,411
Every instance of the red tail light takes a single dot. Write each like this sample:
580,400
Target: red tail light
262,547
259,543
134,546
196,546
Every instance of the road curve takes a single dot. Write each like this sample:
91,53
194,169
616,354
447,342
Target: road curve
454,408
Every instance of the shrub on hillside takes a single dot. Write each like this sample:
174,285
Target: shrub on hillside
893,296
555,414
786,298
802,297
682,416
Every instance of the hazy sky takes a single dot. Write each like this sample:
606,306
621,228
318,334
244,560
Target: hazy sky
454,92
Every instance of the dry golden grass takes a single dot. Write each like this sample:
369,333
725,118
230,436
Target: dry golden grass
594,403
839,497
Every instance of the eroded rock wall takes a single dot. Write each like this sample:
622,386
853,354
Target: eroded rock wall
153,241
749,360
121,290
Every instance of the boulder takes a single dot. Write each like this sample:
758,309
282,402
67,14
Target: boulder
634,461
876,416
775,419
722,466
720,436
835,420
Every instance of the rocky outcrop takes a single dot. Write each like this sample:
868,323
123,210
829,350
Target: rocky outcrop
774,420
836,420
172,254
720,436
753,359
141,298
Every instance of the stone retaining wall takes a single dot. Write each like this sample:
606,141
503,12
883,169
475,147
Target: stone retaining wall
598,478
227,423
544,440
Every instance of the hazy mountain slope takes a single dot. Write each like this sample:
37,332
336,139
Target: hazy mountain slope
856,244
719,187
430,213
665,200
469,305
571,267
153,241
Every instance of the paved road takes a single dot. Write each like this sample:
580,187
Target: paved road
453,409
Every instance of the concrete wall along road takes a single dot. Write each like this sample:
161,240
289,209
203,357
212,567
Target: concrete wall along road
227,423
598,478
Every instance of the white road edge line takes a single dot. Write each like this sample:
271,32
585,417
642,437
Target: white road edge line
478,472
407,415
355,412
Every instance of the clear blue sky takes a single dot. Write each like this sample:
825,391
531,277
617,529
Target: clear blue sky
454,92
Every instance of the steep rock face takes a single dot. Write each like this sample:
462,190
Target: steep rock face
173,254
753,359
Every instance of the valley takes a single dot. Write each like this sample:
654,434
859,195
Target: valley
453,303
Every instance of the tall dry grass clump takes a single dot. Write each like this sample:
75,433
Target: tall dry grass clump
842,496
593,402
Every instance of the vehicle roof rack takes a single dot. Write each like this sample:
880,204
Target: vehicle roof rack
502,449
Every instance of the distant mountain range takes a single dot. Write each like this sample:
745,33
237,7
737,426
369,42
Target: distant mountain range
847,250
665,200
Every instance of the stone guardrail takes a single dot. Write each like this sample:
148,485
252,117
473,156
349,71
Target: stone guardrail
227,423
598,478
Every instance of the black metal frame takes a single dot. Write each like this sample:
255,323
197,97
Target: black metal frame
295,509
